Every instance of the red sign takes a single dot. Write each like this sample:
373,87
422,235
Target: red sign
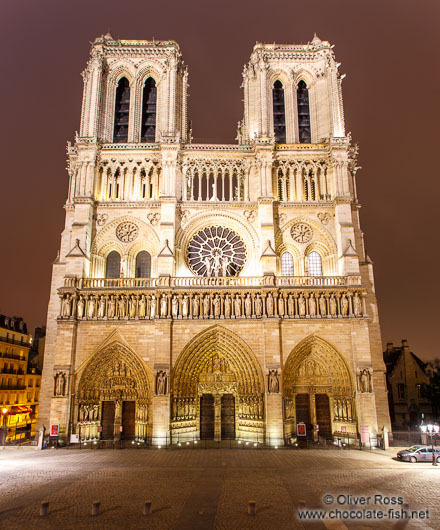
343,429
120,428
317,428
100,428
54,429
365,434
301,429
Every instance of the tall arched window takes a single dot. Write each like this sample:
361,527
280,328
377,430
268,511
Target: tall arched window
287,264
122,110
305,136
315,265
143,265
113,265
279,113
148,131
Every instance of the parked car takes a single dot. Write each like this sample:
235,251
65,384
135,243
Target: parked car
418,453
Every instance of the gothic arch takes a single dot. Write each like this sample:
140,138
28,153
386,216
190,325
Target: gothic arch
317,364
114,372
200,350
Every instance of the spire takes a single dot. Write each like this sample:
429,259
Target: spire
316,39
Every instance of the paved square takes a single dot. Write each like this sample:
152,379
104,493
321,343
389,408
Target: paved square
205,488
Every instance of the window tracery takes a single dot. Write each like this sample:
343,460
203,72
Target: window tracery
216,251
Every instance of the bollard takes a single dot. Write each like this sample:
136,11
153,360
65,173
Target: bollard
44,508
252,507
147,508
95,507
301,505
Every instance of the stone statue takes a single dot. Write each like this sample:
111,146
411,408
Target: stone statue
248,306
101,307
161,383
111,311
227,307
216,304
185,303
312,305
322,306
216,263
175,306
290,306
258,306
206,304
132,307
364,378
224,264
196,304
237,306
60,384
344,306
121,307
95,412
357,305
302,305
163,306
333,307
207,263
280,305
269,305
66,307
91,307
142,307
274,385
153,306
80,308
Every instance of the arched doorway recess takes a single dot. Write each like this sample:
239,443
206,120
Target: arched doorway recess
217,389
318,390
113,397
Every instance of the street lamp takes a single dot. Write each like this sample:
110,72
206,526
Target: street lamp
432,431
4,427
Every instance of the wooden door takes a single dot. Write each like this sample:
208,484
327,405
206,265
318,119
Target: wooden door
302,406
207,417
228,417
128,420
323,414
108,420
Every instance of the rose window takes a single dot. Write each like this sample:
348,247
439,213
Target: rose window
216,251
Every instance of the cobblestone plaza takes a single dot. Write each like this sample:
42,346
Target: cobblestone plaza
203,489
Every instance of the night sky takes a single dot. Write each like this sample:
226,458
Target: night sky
391,98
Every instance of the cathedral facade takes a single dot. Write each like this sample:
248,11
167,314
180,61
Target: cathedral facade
212,291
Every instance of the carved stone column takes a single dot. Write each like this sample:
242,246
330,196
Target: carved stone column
217,417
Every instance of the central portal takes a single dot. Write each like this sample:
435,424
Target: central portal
217,415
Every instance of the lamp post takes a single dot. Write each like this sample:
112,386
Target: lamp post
4,427
431,430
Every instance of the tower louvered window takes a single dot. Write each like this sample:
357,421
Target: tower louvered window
305,136
279,113
148,132
122,109
113,265
143,264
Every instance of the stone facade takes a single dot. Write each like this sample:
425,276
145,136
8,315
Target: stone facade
407,376
212,290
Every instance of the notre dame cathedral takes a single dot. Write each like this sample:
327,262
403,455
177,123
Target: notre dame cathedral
208,291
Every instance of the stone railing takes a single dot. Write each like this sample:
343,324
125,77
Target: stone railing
213,298
200,281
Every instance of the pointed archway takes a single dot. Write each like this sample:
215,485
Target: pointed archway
217,363
114,395
318,389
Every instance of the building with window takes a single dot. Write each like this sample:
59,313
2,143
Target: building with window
212,291
19,380
406,377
